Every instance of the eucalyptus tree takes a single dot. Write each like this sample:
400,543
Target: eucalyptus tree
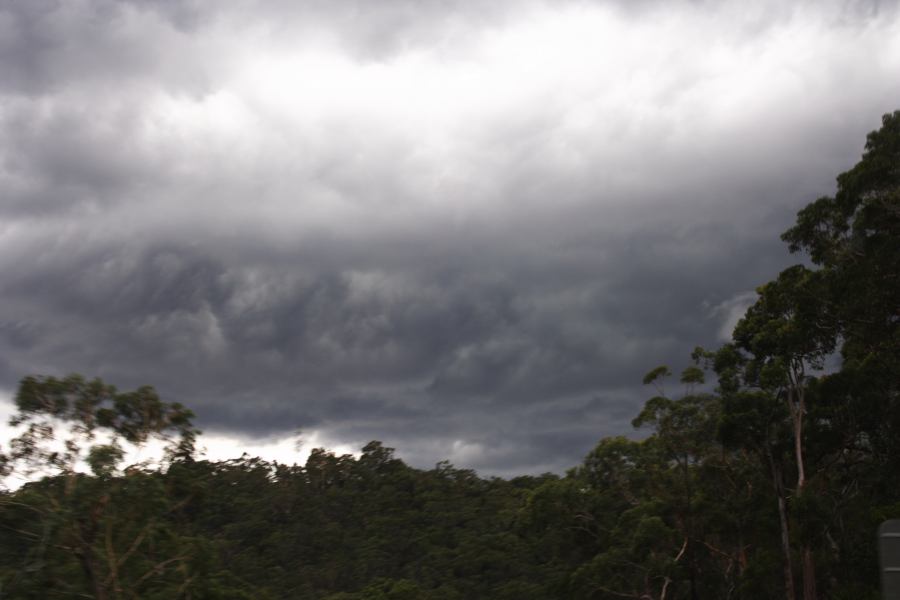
847,300
787,336
853,238
110,523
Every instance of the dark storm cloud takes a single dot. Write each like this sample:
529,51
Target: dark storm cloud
445,226
397,355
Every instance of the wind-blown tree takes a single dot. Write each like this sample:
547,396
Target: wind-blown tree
114,527
70,422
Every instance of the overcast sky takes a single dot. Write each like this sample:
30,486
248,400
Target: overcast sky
463,228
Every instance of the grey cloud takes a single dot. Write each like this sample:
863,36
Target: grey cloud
299,335
48,45
502,349
491,293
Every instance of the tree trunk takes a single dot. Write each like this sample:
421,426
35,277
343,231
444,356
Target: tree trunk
91,570
797,406
87,534
796,401
809,574
786,549
788,570
692,560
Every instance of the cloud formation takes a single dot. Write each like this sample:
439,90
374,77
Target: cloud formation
466,232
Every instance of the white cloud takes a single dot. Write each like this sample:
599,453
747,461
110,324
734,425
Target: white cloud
288,450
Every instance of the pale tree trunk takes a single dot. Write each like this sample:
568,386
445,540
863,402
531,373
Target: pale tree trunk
797,404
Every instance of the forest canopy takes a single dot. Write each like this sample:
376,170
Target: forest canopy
765,476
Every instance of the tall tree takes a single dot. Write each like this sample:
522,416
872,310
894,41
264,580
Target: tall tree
850,300
854,240
787,335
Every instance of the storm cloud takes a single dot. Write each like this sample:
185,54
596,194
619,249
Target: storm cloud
466,231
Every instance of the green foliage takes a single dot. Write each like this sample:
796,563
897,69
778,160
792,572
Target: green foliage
103,458
61,419
656,374
693,375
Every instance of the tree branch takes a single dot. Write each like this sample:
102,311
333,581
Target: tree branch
156,569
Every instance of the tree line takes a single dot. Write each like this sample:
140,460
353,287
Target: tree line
764,476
